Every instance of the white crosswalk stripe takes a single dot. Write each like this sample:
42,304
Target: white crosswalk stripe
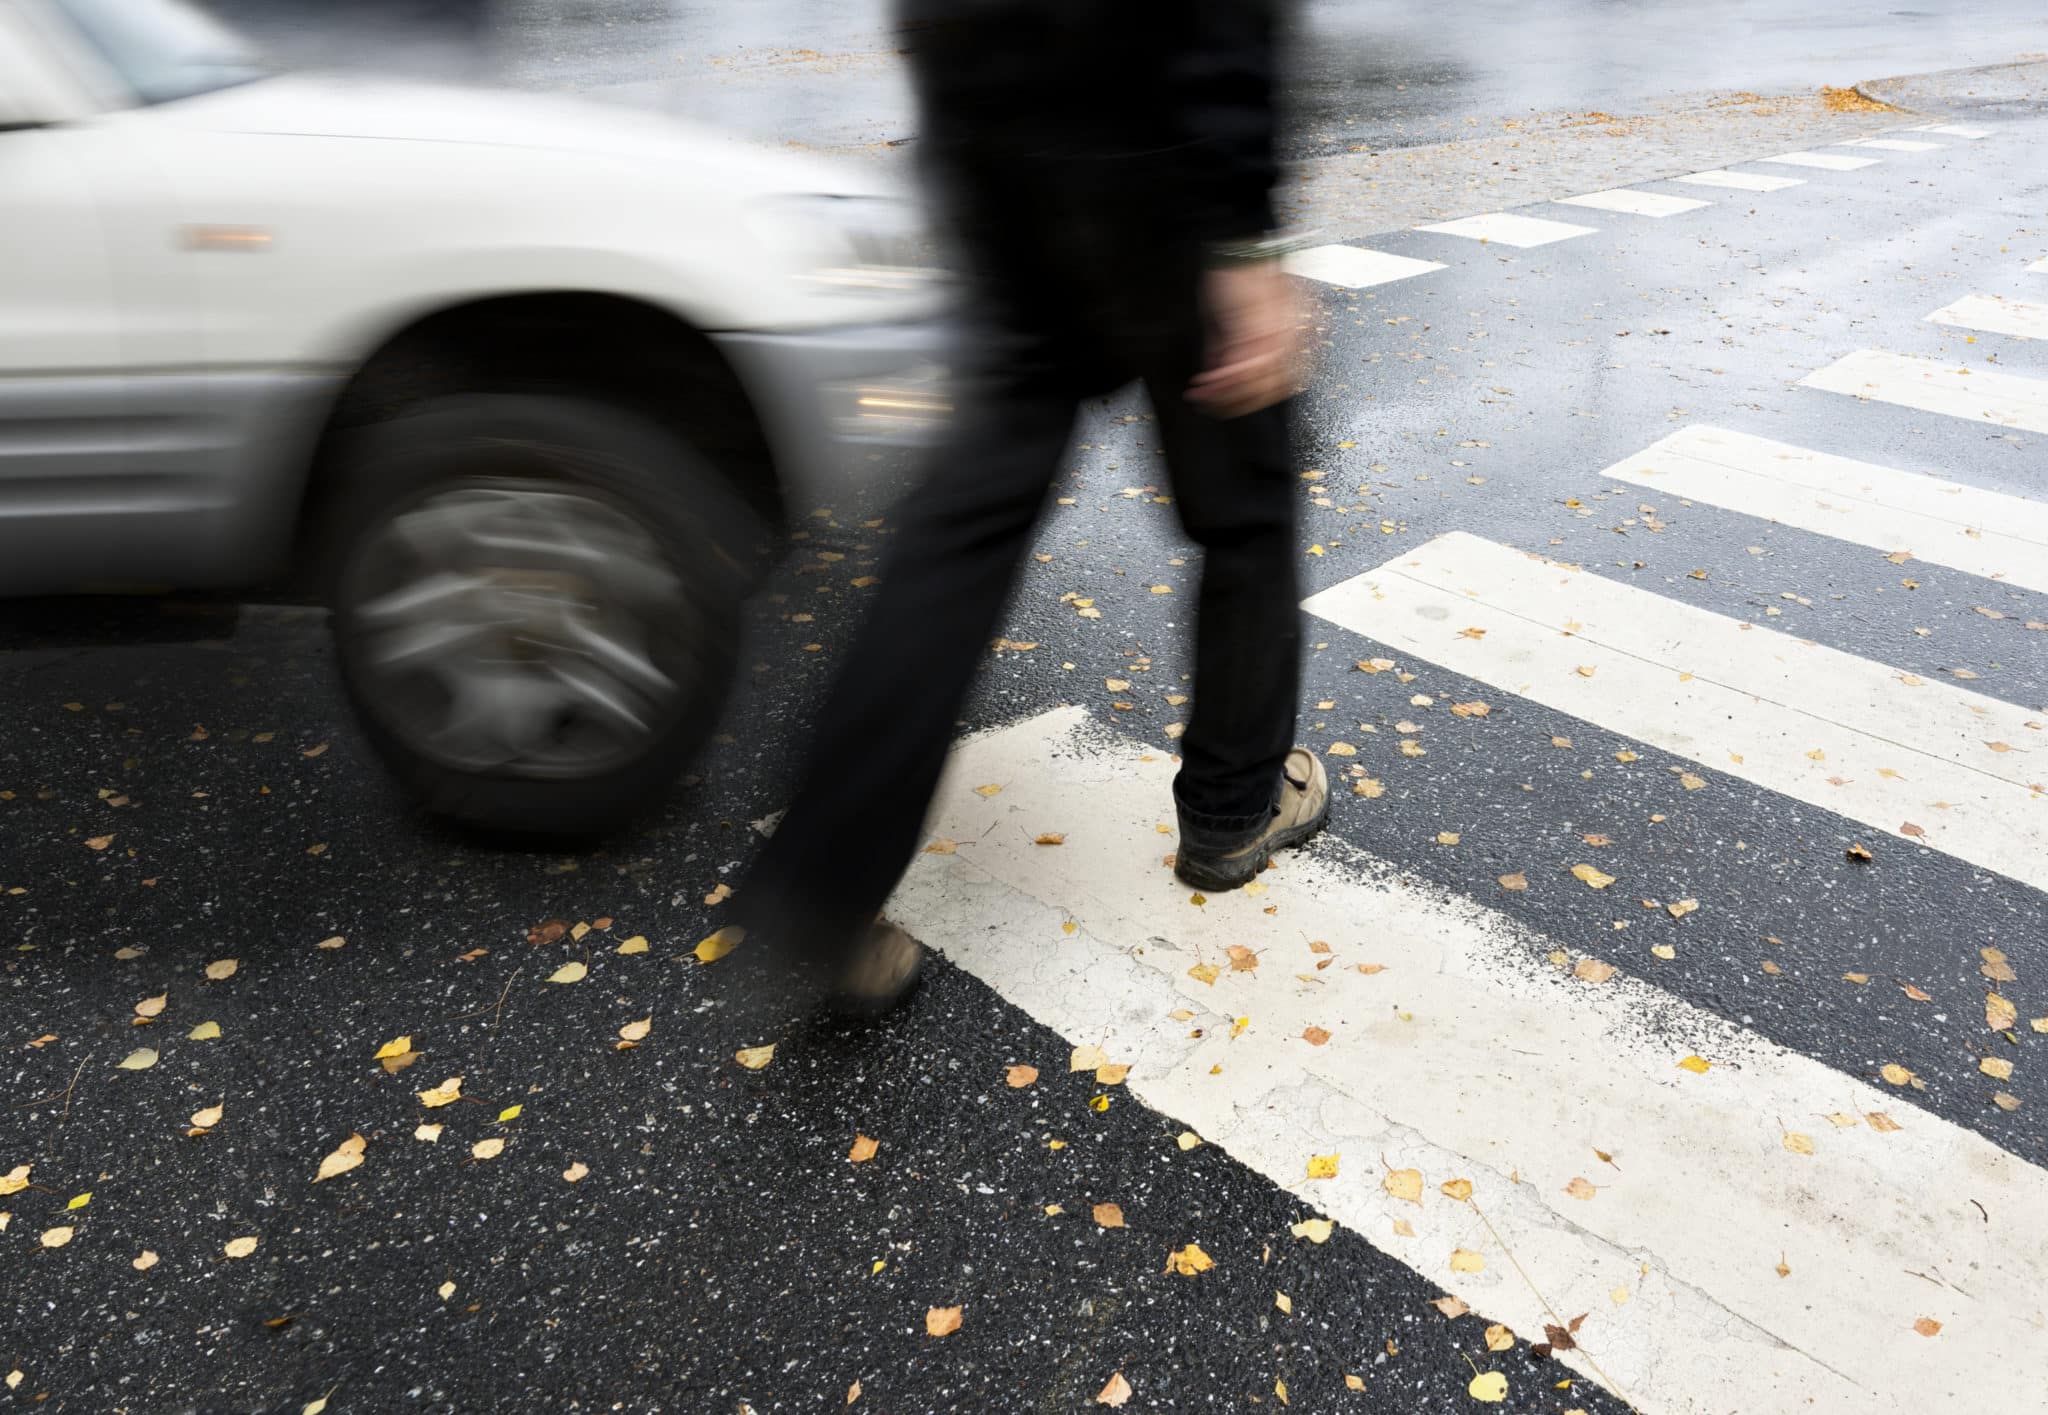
1355,267
1826,161
1954,130
1844,733
1953,390
1503,228
2004,538
1994,314
1894,144
1634,203
1676,1253
1740,181
2039,267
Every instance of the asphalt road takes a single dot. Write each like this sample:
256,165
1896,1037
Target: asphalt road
180,787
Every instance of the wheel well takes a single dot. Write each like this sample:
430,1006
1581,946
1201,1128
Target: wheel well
603,346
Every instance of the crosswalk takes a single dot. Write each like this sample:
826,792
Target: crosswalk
1638,1156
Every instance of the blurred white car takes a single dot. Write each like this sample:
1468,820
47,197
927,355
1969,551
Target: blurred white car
516,383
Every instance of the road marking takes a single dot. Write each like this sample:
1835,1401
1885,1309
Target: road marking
1954,130
2039,267
1840,732
1471,1057
1829,161
1634,203
1996,315
1954,390
1504,229
1895,145
1741,181
1941,522
1355,267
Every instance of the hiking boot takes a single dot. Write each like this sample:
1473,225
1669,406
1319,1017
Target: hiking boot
881,970
1209,859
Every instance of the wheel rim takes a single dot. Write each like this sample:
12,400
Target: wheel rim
519,627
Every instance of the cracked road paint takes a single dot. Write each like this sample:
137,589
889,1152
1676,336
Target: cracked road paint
1471,1055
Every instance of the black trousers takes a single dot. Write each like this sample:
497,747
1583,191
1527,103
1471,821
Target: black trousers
1068,306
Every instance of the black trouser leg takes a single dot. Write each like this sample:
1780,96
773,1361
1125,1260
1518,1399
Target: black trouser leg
887,724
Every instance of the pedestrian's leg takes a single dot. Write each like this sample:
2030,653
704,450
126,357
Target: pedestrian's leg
1234,486
887,725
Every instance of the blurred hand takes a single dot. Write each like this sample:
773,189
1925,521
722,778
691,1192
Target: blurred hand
1256,354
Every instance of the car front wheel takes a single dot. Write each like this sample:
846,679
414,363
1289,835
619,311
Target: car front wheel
536,607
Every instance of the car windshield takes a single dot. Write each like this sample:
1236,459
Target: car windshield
162,49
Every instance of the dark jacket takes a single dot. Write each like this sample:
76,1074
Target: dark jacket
1165,107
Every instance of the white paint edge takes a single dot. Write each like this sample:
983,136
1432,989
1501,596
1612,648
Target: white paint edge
1826,161
1954,130
1505,229
1747,701
1472,1057
1994,314
1895,145
1976,392
1741,181
1355,267
1634,203
2000,537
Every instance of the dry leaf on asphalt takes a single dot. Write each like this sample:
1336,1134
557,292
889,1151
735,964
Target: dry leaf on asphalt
573,972
1592,876
1592,970
1283,1302
152,1006
141,1059
1999,1014
428,1131
344,1159
240,1247
221,969
488,1149
1189,1260
15,1180
1087,1058
142,1262
1514,882
754,1058
1499,1338
712,949
446,1093
1315,1230
634,1033
397,1046
1449,1306
576,1171
941,1321
1112,1074
204,1032
56,1237
863,1149
208,1118
637,943
1489,1387
1115,1391
1018,1077
1109,1216
1996,1067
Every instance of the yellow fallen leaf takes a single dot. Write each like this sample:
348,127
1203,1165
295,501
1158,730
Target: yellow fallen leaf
1499,1338
1108,1216
448,1091
1895,1073
1698,1065
142,1262
754,1058
1464,1260
863,1149
1280,1391
204,1032
572,972
1592,970
712,949
942,1321
428,1131
15,1180
1619,1297
991,790
1403,1228
1111,1075
398,1046
1447,837
151,1006
638,944
1018,1077
1451,1307
1087,1058
141,1059
1926,1326
1188,1140
1189,1260
1315,1230
1996,1067
1592,876
222,969
344,1159
1205,973
1404,1184
1491,1387
99,842
1115,1391
1352,1382
1798,1144
208,1118
1682,908
576,1172
1690,781
56,1237
1342,749
1664,951
1514,883
488,1149
240,1247
333,942
79,1201
1999,1014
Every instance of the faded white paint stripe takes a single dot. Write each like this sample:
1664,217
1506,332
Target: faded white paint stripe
1471,1057
1994,314
1505,229
1895,145
1986,533
1634,203
1954,130
1840,732
1741,181
1826,161
1953,390
1355,267
2039,267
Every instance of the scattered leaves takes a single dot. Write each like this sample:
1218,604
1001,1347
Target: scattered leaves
240,1247
1108,1216
1514,883
1592,970
1322,1166
344,1159
572,972
1018,1077
1315,1230
1581,1188
1115,1391
1926,1326
1698,1065
447,1092
754,1058
488,1149
1450,1306
863,1150
141,1059
1464,1260
576,1172
1189,1261
1592,876
222,969
1404,1184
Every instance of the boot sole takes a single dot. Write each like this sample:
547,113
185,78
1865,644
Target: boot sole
1228,875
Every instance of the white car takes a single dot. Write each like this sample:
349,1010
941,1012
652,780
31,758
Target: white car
516,384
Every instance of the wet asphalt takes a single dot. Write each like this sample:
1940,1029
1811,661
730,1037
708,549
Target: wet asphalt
720,1252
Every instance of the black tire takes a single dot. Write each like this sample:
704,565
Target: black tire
619,471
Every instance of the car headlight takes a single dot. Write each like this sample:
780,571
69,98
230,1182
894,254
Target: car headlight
861,244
